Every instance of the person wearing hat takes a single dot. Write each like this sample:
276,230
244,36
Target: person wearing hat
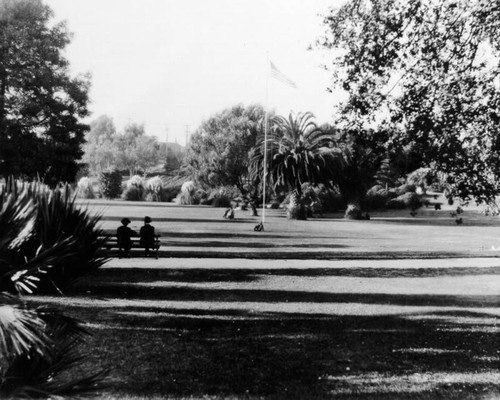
124,238
147,234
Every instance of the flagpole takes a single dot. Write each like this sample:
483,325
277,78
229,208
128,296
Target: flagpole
266,124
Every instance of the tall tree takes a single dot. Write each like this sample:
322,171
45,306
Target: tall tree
100,147
41,106
218,153
135,150
429,71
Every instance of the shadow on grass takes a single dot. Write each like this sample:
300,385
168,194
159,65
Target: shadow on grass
428,221
172,293
254,244
243,274
286,356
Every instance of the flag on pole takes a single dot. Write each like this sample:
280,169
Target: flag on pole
278,75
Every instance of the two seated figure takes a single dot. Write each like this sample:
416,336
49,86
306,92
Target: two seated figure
124,236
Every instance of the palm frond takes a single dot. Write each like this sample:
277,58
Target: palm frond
21,330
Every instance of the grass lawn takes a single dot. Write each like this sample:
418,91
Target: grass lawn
392,308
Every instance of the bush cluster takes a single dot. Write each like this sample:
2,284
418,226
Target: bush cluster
85,189
402,197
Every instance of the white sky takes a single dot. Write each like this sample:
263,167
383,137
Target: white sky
172,63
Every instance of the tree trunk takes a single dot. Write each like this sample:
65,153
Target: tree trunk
296,208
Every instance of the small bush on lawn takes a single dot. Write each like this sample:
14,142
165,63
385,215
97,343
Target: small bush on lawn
407,200
170,192
330,200
223,196
187,194
376,198
110,183
135,189
133,194
84,189
154,188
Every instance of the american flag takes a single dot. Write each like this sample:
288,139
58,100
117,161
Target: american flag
276,74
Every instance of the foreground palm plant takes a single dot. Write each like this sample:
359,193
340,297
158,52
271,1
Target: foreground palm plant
38,346
298,152
60,229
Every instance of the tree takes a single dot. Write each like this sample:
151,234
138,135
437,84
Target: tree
426,71
218,153
40,104
365,153
100,147
298,152
173,159
135,150
147,152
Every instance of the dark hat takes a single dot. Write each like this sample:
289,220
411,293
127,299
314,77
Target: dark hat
147,220
125,221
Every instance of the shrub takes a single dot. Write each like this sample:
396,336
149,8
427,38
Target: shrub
135,181
411,200
170,192
110,183
133,194
154,188
396,204
406,188
223,196
376,198
85,189
330,200
135,189
186,195
407,200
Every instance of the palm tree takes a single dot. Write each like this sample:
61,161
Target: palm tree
299,152
38,346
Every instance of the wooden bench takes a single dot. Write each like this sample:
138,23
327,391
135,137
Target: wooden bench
111,243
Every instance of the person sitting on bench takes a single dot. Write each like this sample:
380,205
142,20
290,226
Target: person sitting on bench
124,238
147,234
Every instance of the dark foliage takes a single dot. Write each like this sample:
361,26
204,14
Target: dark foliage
40,104
110,183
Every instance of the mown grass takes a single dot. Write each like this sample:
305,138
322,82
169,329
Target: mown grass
207,332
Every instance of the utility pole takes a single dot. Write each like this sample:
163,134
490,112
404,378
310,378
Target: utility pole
187,134
166,145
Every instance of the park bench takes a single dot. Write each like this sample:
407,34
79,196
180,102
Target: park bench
110,245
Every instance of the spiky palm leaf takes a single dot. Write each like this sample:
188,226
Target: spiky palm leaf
17,213
37,346
64,238
21,331
44,348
